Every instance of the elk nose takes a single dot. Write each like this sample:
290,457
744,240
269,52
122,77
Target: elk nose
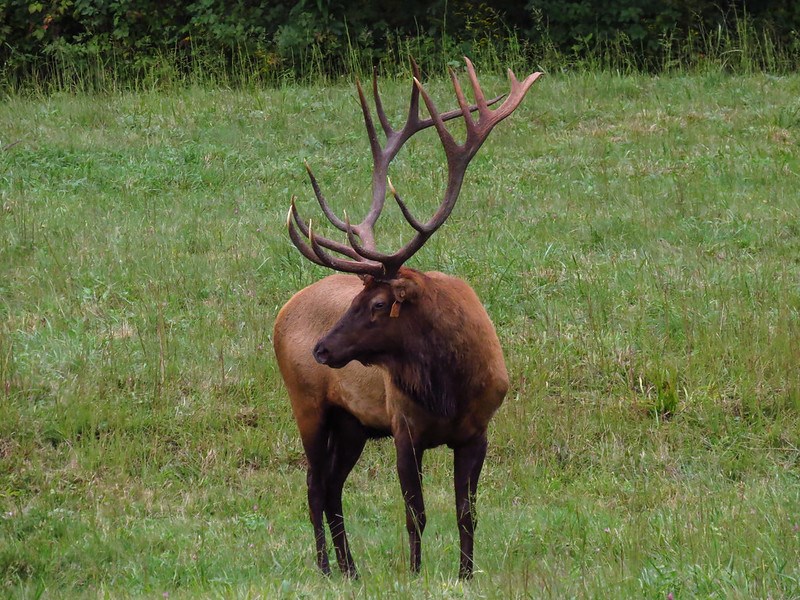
321,353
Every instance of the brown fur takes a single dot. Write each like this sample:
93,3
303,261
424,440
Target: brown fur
433,374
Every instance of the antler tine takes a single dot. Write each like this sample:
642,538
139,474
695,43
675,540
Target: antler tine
336,221
295,221
476,88
404,209
387,128
314,249
299,243
462,101
450,145
413,106
374,144
324,259
337,264
518,91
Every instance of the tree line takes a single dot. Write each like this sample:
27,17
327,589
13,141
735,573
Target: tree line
333,36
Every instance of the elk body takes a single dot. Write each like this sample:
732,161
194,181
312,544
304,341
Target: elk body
394,351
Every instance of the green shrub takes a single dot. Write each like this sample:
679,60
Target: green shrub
86,43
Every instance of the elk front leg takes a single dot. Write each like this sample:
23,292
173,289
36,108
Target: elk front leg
348,440
468,461
315,438
409,470
316,503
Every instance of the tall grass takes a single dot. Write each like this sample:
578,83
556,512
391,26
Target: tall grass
735,46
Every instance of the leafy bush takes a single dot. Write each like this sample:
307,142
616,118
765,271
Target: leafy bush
86,39
657,32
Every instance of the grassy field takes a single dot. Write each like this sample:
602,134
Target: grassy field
635,239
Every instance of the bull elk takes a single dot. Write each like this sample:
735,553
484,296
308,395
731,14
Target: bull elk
393,351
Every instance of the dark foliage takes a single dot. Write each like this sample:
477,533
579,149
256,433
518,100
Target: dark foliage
280,38
652,28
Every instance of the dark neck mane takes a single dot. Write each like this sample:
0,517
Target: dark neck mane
432,384
430,369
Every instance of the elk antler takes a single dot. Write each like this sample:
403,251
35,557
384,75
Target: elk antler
362,256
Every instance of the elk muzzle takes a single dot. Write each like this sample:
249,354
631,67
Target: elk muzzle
325,353
321,353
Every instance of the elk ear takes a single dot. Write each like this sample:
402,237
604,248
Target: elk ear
405,290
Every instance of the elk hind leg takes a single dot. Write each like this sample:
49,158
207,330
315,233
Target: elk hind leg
468,462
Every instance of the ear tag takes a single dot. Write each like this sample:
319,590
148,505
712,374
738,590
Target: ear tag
395,312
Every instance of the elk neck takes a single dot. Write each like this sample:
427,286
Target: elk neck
433,365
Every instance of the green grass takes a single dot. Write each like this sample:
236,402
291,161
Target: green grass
635,239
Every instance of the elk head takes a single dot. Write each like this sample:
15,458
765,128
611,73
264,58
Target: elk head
370,330
377,306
